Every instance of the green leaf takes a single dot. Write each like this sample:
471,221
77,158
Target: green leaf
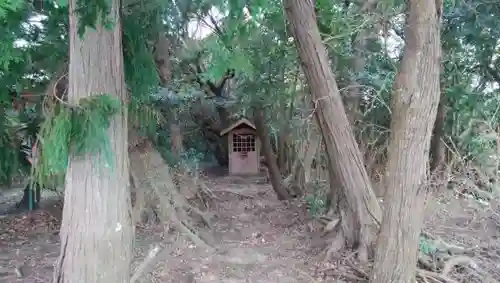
62,3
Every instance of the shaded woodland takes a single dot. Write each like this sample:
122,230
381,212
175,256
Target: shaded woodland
377,125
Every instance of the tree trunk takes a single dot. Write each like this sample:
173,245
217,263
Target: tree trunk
272,165
177,147
162,59
343,152
414,106
221,152
355,89
437,146
96,231
282,152
300,175
162,201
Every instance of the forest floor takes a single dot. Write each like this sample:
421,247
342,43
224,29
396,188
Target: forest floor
256,237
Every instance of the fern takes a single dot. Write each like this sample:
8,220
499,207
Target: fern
75,131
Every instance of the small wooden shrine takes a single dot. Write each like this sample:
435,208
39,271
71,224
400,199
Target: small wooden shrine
244,148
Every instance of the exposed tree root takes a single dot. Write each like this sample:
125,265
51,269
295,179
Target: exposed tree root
433,277
347,236
435,268
235,193
172,213
336,245
148,261
458,260
162,196
445,256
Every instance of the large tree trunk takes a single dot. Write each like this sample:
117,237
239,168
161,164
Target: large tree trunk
343,152
414,105
272,165
96,232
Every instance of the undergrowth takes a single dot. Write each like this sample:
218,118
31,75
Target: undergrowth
316,200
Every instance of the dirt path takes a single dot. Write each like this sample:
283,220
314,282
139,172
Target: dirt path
257,239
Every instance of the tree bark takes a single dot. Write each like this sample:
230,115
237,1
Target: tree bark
355,89
437,146
96,231
415,100
177,147
162,59
272,165
282,152
340,144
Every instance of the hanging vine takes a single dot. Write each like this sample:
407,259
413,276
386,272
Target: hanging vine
79,131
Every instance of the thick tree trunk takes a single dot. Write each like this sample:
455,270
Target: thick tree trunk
414,106
341,147
437,146
272,165
96,232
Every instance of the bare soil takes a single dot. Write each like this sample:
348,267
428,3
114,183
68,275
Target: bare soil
256,237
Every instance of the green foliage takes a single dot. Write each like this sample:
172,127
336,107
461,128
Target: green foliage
91,12
15,128
426,246
190,160
90,123
7,6
196,150
221,58
139,28
79,131
28,53
54,142
9,161
11,12
316,202
256,44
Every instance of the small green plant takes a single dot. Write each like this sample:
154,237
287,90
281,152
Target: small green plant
191,159
426,246
316,202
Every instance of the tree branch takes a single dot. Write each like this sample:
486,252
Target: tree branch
493,73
